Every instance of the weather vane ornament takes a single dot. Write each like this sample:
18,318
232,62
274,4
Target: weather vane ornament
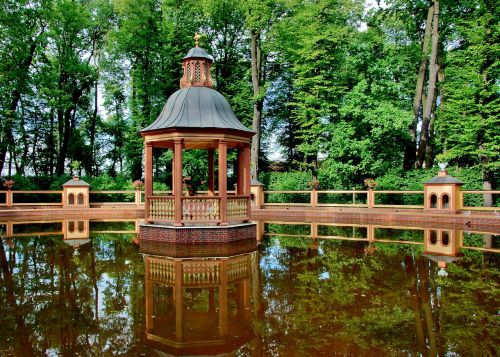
442,165
196,37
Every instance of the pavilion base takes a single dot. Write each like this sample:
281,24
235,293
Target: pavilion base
197,234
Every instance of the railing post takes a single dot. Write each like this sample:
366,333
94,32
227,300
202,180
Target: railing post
371,198
370,233
314,230
8,198
138,197
9,229
314,198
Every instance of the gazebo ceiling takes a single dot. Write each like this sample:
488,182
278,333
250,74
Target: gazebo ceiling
198,139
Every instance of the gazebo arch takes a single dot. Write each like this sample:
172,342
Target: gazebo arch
198,117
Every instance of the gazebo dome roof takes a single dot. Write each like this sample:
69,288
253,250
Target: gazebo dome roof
197,107
198,52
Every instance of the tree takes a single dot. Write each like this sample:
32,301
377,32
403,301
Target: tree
22,28
424,145
468,123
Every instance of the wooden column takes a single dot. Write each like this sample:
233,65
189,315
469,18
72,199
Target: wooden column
240,175
223,181
149,299
246,296
148,176
179,302
173,170
178,144
210,172
247,177
223,313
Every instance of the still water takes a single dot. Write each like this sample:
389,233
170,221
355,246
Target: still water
88,289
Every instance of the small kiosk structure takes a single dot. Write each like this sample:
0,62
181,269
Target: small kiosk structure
443,245
76,193
442,193
198,117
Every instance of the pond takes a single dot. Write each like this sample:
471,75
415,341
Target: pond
405,292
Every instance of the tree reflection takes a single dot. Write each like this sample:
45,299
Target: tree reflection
309,297
337,300
71,302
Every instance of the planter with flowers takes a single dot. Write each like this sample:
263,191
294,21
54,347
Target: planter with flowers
370,183
8,197
138,186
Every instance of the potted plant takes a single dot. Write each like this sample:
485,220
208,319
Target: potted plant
370,183
8,184
313,184
138,185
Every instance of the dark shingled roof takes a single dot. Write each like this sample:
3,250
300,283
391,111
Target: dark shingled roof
74,182
197,52
255,182
197,107
445,180
76,242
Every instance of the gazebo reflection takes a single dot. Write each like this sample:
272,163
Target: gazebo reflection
443,245
199,305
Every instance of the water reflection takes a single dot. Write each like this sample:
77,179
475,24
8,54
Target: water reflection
332,290
200,306
58,300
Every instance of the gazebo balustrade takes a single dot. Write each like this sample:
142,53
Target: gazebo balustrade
198,209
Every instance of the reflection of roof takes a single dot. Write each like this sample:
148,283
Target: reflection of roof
75,181
445,180
224,347
197,107
76,243
442,258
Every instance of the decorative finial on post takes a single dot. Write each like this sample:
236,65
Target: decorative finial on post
442,165
196,37
442,169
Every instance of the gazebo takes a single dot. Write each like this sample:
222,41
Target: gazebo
197,117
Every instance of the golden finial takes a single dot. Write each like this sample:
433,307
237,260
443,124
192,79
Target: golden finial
196,37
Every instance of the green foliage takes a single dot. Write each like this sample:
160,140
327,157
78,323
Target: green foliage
297,180
342,231
472,99
337,96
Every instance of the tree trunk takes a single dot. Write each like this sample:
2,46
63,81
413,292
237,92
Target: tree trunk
93,124
258,101
64,136
51,146
24,346
431,92
410,149
487,197
8,140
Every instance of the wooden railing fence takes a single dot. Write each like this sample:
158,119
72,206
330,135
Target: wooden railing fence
202,208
